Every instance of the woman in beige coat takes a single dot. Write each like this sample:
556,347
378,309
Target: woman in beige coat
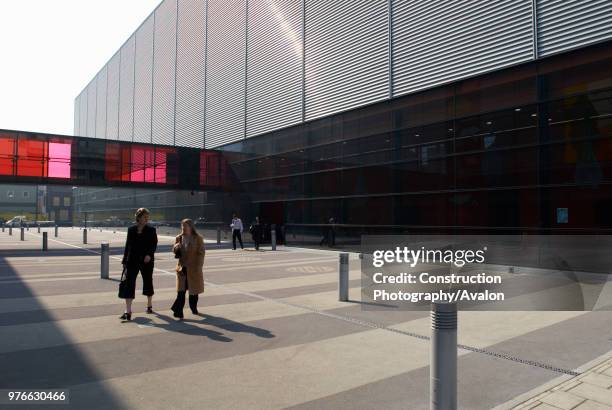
189,250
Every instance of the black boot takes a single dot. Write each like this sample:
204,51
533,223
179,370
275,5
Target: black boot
193,304
178,305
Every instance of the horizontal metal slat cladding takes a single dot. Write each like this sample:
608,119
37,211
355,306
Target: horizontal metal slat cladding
112,98
347,54
126,90
101,103
190,73
164,73
143,81
274,71
225,72
83,113
439,42
76,119
567,24
91,109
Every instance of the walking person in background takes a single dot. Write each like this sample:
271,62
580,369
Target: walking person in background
138,256
330,234
189,250
256,231
237,228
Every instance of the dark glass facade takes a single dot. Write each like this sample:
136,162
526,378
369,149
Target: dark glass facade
525,149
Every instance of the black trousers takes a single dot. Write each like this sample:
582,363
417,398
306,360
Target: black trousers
146,270
179,302
236,234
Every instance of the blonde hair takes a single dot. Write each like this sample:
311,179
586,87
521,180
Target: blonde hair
140,212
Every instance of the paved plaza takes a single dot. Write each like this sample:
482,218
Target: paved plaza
271,334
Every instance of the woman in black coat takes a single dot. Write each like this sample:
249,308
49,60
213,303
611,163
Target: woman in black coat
138,255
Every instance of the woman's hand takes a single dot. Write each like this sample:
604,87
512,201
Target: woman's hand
147,259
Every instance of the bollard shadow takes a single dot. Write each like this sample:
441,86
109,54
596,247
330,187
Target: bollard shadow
181,326
371,304
232,326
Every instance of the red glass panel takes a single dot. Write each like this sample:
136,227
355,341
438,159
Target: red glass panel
149,167
137,173
160,166
31,157
7,154
113,162
125,162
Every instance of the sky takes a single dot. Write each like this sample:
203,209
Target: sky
50,50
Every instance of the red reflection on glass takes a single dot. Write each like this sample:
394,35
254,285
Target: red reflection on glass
149,166
160,167
7,155
137,173
59,159
31,158
209,168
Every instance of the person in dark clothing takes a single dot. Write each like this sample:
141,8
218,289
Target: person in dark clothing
256,232
330,234
138,256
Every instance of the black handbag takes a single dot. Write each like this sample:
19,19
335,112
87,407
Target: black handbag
123,284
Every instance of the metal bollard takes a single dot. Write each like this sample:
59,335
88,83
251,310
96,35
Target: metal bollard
56,231
343,279
104,261
22,234
443,367
38,227
2,227
85,236
10,230
218,236
273,236
45,243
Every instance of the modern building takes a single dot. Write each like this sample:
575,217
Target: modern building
388,115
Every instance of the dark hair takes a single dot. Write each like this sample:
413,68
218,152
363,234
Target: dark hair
140,212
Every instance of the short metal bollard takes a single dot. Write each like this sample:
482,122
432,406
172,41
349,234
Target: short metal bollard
38,227
343,279
45,243
56,231
10,230
443,367
85,236
104,261
218,236
273,236
22,234
2,227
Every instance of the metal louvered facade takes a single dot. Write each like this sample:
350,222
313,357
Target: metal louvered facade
101,103
275,58
204,73
143,81
91,109
190,73
83,113
126,90
439,42
76,119
225,72
568,24
112,98
164,66
347,54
